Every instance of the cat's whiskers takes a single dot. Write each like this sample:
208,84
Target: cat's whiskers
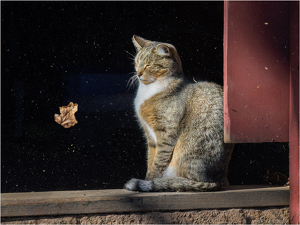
130,55
132,81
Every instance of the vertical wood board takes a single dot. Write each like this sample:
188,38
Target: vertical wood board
256,71
294,114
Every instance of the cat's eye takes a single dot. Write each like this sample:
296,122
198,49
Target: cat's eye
146,66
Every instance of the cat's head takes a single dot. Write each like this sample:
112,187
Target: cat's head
155,60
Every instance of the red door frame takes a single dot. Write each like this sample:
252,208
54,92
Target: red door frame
261,79
294,113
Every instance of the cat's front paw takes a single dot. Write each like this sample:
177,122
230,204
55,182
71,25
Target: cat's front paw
138,185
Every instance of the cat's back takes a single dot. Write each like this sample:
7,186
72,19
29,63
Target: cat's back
197,98
205,92
204,104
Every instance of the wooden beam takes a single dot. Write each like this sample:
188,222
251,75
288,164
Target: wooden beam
120,200
256,71
294,113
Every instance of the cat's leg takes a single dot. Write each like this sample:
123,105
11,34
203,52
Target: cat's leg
162,157
159,154
150,157
150,151
159,159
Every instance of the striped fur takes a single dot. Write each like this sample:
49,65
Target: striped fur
183,124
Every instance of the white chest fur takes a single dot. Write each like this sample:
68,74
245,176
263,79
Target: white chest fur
145,92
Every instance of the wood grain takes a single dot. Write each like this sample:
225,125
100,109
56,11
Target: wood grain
120,200
256,71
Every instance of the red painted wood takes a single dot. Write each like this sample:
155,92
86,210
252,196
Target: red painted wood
256,71
294,113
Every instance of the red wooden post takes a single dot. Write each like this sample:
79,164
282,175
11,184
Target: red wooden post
294,114
256,71
261,79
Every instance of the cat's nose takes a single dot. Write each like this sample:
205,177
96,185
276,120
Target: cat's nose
139,74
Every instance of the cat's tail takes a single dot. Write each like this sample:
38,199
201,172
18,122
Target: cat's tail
171,184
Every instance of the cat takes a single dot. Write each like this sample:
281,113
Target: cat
182,122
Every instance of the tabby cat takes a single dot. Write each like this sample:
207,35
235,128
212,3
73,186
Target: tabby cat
183,124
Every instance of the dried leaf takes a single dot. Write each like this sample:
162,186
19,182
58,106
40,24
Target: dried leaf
67,115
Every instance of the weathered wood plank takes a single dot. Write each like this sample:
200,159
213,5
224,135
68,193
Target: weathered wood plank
119,200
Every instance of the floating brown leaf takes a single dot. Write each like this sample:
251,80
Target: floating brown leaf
67,115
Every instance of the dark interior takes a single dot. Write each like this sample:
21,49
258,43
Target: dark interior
54,53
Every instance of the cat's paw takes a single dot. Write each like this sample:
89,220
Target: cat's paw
139,185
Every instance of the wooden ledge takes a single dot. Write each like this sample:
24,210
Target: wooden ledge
120,201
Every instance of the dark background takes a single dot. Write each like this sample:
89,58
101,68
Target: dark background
57,52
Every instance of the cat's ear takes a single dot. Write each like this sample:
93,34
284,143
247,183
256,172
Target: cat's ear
163,50
139,42
169,50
